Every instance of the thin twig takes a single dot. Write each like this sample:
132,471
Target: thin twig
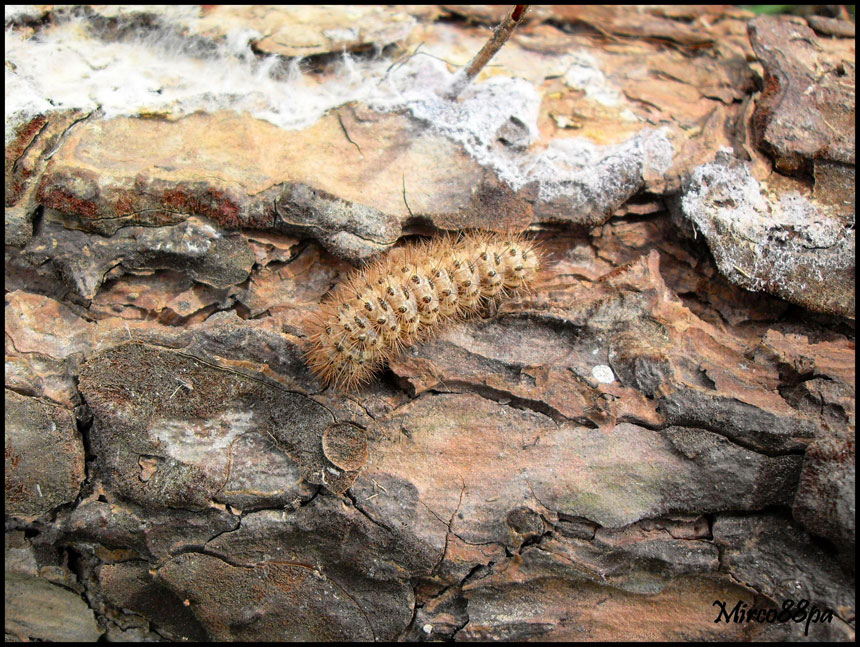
499,38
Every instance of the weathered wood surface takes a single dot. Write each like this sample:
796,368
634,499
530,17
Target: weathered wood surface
668,419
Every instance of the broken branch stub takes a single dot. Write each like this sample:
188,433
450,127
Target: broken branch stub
494,44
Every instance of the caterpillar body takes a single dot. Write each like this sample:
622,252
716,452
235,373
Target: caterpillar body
409,296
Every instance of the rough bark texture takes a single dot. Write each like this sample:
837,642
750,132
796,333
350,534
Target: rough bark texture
665,422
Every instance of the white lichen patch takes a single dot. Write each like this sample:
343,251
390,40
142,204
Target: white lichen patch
202,442
580,161
483,110
585,74
603,374
475,119
789,246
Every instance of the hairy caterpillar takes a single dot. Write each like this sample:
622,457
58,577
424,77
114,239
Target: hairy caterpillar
408,296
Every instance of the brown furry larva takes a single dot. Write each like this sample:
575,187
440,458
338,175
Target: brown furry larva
409,296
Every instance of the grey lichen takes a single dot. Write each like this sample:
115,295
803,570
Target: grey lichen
790,247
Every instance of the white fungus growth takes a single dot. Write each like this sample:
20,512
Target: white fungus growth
156,74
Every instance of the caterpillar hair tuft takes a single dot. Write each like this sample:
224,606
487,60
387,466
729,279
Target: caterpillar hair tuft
409,296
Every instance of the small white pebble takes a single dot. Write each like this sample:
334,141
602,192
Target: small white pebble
428,628
603,374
